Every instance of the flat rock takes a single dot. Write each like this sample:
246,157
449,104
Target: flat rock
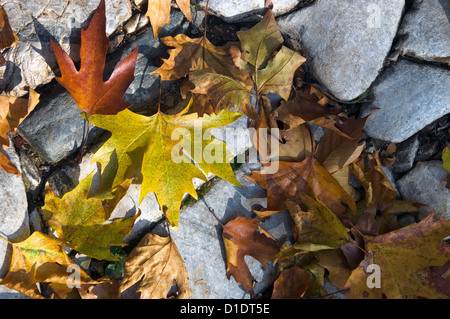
199,237
425,183
409,97
56,129
14,224
427,30
346,42
236,11
6,293
32,62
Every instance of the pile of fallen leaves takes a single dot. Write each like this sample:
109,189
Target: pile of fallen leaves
343,208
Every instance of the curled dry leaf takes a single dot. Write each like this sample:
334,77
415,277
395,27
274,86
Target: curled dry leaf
158,13
152,267
339,148
310,105
40,259
8,38
380,195
103,289
86,86
13,111
292,283
298,143
244,237
187,54
308,176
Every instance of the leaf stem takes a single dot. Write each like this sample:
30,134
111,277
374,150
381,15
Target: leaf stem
5,238
80,150
167,222
215,216
159,97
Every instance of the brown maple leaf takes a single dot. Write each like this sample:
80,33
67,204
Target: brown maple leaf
310,105
340,147
244,237
86,86
307,176
291,283
152,267
189,54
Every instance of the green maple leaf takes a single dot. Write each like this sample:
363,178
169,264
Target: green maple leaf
408,259
145,144
80,220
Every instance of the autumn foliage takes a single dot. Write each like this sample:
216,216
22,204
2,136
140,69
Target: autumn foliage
344,211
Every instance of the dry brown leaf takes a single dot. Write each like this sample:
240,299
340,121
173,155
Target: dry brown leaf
86,86
310,105
8,38
292,283
13,111
334,262
152,266
158,13
189,54
105,289
39,259
340,148
243,237
379,192
307,176
297,144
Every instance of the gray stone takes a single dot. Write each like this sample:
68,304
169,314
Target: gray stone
6,293
426,183
236,11
32,62
199,237
56,129
405,155
36,222
31,175
409,97
427,31
132,24
136,23
14,224
346,42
